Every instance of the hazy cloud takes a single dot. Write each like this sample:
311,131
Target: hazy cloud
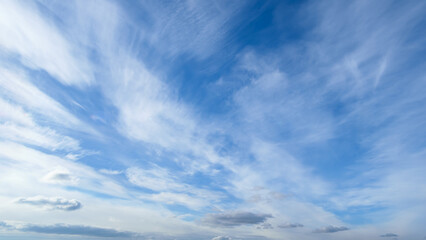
290,225
232,219
330,229
51,203
59,176
222,238
76,230
265,226
389,235
157,179
5,225
110,172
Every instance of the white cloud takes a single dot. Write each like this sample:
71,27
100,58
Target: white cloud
13,113
51,169
149,112
191,202
40,44
38,136
270,104
110,172
170,189
158,179
14,85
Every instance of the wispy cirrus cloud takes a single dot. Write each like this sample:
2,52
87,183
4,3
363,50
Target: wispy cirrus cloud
28,96
156,178
41,45
41,136
169,189
195,28
52,169
311,127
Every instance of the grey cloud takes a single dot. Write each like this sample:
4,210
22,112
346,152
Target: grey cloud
222,238
232,219
290,225
265,226
389,235
77,230
60,176
52,203
330,229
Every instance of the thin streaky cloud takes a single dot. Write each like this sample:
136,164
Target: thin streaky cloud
212,119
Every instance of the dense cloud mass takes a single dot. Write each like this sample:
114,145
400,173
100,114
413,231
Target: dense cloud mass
330,229
231,219
51,203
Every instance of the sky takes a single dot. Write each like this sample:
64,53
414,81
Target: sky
212,120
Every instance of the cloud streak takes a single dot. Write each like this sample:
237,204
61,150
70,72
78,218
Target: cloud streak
389,235
290,225
40,44
77,230
232,219
55,203
221,238
331,229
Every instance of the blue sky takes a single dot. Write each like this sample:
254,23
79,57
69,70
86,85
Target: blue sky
212,120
